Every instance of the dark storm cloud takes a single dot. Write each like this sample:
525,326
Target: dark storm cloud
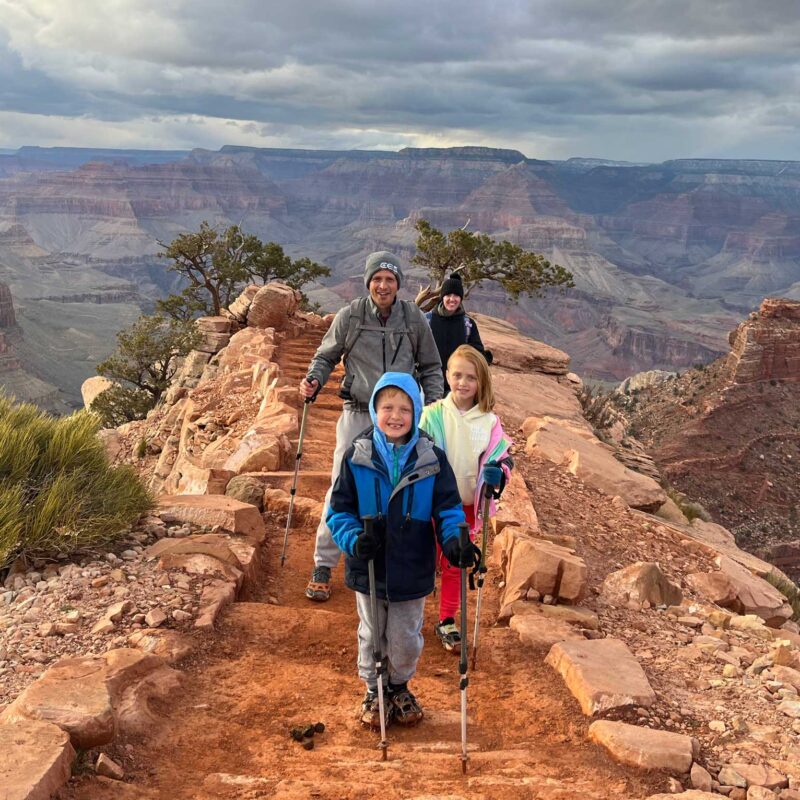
627,79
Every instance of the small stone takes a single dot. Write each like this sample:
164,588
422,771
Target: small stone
72,616
102,626
791,708
716,725
109,768
730,671
117,575
728,776
47,629
760,793
155,618
181,616
308,744
674,786
700,778
96,583
63,628
118,610
129,555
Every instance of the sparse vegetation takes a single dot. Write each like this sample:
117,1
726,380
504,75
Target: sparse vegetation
789,590
689,508
478,258
58,492
598,407
145,362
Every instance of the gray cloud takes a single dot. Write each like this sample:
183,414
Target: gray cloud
626,79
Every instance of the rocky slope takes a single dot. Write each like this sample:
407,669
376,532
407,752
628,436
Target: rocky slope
727,435
621,654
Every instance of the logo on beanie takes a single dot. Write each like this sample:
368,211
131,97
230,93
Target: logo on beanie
388,265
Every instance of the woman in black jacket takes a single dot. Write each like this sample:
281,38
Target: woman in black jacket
450,325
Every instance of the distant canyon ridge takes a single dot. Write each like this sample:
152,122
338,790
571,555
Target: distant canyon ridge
667,258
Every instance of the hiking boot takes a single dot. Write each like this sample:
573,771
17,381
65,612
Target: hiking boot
319,587
405,708
448,634
371,712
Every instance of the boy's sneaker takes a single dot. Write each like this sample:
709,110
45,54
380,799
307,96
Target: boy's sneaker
371,711
405,708
319,587
448,634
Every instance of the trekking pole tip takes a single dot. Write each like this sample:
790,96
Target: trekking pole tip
463,765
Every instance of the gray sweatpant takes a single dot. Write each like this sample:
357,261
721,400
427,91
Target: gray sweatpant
348,426
400,629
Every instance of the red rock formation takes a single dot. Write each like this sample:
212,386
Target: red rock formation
767,345
7,318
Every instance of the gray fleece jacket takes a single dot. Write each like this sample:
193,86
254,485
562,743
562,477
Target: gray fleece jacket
378,347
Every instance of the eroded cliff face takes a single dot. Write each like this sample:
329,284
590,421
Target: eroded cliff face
767,345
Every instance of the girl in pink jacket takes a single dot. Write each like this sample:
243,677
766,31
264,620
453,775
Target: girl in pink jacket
463,425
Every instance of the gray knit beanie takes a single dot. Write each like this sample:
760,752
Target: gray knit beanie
383,259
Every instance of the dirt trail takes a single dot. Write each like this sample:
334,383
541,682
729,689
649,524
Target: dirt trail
272,666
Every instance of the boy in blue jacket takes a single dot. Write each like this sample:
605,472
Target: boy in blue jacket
396,474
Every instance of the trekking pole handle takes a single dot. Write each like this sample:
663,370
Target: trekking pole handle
316,393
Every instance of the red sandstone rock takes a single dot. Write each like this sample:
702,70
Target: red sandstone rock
272,306
601,674
767,346
643,747
640,583
231,515
36,760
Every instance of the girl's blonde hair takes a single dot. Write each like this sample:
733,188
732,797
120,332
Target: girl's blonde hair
485,392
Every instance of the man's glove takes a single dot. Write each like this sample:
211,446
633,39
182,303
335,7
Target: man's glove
367,546
467,558
492,475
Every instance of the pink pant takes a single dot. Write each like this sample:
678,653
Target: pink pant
450,591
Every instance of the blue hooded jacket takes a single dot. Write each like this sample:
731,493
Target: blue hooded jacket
409,489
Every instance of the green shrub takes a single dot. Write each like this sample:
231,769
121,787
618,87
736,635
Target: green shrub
689,508
58,492
789,590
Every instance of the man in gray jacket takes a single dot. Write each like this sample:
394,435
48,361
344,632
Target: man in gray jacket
372,335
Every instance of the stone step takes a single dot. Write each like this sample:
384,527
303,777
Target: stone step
310,483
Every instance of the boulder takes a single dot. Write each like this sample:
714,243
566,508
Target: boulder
93,698
246,489
593,462
515,506
760,775
715,587
540,565
186,477
786,675
601,674
520,395
216,333
210,510
241,305
643,747
272,306
514,351
754,595
36,760
92,387
640,583
701,778
255,452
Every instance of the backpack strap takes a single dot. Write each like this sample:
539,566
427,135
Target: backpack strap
468,323
354,331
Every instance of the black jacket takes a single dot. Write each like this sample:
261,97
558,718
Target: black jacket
451,332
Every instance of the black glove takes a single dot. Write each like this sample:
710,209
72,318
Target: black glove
367,546
463,559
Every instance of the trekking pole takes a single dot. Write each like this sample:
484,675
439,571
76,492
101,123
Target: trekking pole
293,491
481,573
377,654
462,664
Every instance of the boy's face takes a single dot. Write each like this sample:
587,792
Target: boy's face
395,414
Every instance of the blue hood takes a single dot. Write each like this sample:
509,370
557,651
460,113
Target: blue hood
404,381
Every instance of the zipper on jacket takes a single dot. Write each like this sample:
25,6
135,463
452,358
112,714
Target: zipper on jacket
409,505
397,349
378,511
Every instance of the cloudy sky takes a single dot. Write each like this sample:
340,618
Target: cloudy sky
641,80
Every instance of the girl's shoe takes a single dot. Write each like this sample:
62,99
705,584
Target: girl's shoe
448,634
405,708
371,712
319,587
